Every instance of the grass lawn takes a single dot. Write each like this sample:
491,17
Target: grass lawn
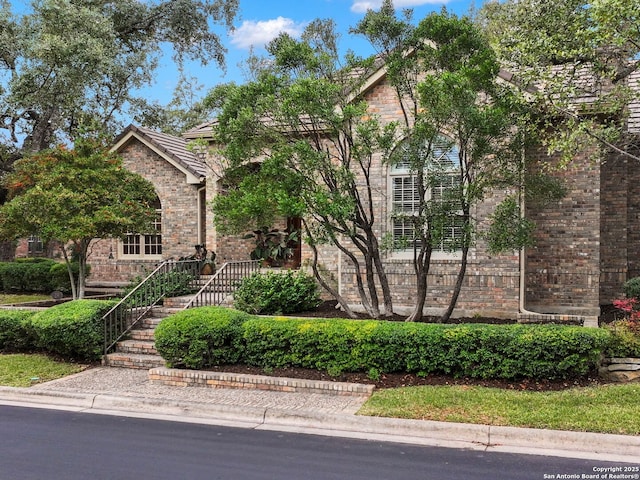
23,370
602,409
8,299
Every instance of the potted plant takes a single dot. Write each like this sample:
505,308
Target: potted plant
272,246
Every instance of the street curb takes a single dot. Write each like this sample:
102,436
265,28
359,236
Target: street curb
51,397
624,448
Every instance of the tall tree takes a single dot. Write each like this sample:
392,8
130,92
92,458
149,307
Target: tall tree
576,60
73,197
316,141
459,136
65,61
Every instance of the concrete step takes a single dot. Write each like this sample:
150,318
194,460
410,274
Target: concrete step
145,347
133,360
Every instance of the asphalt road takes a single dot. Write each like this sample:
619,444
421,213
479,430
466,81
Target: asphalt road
52,444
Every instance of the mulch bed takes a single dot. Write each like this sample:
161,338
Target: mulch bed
395,380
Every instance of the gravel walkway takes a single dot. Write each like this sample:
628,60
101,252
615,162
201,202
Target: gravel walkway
135,383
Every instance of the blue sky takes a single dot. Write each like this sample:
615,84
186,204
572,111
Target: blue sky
260,21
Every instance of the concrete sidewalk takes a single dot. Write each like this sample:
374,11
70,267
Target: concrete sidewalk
117,391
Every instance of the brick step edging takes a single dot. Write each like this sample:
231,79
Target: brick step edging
207,379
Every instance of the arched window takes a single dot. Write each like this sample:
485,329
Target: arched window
440,164
148,245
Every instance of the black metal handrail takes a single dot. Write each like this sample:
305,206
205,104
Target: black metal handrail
139,301
223,283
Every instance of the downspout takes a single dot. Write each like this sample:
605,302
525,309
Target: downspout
201,240
521,302
521,308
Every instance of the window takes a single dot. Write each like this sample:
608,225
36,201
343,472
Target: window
35,246
442,182
146,245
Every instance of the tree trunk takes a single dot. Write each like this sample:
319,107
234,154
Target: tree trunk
384,281
72,280
371,285
458,286
421,293
422,265
316,272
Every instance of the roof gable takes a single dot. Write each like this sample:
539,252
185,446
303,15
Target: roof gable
172,149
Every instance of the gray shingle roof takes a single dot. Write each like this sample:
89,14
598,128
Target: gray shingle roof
173,147
204,130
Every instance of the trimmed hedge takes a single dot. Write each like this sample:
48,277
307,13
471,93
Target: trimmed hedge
277,293
335,346
73,329
201,337
16,333
35,275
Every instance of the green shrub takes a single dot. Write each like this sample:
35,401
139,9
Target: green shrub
59,276
201,337
26,275
478,351
15,331
277,293
73,329
168,284
35,275
631,288
625,339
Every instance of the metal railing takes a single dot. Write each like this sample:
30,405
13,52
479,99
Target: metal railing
223,283
166,278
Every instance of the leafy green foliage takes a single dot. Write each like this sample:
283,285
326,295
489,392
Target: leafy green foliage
631,288
201,337
65,63
277,293
72,329
478,351
35,275
452,102
167,284
625,339
74,196
59,275
320,142
31,275
15,331
509,229
564,52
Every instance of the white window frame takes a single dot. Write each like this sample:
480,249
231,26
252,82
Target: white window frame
146,246
408,202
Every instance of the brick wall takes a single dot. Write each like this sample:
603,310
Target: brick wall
563,268
491,284
181,226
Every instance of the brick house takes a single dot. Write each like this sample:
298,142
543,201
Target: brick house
586,246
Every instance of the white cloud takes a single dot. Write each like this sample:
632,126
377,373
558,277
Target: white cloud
361,6
257,34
